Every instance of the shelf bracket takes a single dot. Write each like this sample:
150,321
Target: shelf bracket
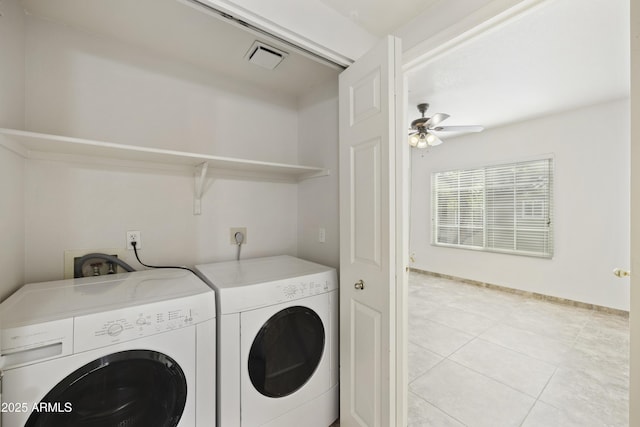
324,172
200,175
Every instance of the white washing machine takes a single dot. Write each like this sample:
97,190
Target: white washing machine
277,342
133,349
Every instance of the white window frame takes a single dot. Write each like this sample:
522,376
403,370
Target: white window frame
530,220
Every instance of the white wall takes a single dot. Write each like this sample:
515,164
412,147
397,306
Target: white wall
12,29
83,85
71,206
93,87
11,165
11,222
591,197
318,197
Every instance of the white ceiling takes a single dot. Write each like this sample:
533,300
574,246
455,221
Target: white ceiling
561,55
380,17
179,31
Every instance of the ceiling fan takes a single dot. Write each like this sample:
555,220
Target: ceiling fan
421,132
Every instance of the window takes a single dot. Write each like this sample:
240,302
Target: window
504,208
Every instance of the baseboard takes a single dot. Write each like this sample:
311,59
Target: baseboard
527,294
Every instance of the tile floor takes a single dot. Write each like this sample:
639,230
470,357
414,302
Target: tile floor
480,357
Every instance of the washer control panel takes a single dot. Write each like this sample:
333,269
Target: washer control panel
102,329
27,344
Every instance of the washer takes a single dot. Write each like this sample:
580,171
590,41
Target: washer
134,349
277,342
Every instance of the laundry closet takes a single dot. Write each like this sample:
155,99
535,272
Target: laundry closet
148,116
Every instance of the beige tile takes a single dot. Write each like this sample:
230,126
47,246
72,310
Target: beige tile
424,414
464,321
528,343
420,307
583,396
421,360
606,330
562,323
509,362
509,367
557,309
437,338
484,305
607,365
472,398
545,415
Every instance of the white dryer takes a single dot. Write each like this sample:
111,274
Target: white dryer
133,349
277,342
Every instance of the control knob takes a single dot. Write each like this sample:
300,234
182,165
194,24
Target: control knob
115,329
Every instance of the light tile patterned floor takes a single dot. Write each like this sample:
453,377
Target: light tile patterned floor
482,357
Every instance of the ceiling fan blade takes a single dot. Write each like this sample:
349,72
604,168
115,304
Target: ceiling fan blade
470,128
435,119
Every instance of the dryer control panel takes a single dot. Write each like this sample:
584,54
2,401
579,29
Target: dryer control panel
294,289
250,297
110,327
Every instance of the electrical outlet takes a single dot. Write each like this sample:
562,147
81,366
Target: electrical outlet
232,235
134,236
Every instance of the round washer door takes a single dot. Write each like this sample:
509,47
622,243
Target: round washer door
129,388
286,351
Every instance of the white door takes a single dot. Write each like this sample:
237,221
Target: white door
368,264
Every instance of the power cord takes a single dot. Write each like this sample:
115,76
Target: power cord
135,251
239,239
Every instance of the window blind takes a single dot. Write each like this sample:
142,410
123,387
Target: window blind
503,208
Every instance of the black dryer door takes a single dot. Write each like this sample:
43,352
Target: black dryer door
135,388
286,351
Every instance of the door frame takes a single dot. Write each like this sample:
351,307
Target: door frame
634,320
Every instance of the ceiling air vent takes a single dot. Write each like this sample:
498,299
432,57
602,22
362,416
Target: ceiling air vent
264,55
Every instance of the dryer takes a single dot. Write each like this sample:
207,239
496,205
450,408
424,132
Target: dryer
277,342
134,349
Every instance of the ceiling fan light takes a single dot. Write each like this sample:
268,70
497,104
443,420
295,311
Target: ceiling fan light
433,140
414,140
422,143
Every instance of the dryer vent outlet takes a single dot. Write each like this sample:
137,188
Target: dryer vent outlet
265,56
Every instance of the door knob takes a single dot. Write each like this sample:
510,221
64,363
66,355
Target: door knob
359,285
621,273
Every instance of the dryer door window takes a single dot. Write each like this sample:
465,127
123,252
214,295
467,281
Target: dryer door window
286,351
129,388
